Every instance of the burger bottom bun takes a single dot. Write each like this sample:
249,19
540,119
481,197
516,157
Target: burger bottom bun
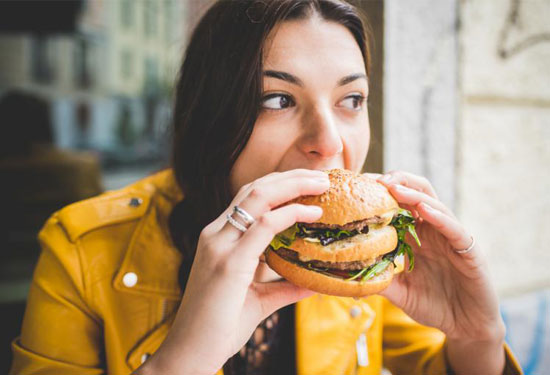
324,284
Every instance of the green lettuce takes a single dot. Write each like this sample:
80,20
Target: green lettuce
404,223
285,238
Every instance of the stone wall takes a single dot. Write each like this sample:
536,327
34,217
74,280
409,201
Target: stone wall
420,93
503,179
467,104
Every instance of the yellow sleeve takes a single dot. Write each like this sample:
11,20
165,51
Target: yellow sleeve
512,366
60,333
411,348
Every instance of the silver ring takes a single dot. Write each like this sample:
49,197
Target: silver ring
469,247
236,224
247,218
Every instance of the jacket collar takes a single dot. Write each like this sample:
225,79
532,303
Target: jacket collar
151,255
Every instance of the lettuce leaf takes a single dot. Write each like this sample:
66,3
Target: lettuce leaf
285,238
404,223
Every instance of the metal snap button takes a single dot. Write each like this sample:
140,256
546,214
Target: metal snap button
145,357
130,279
135,202
355,311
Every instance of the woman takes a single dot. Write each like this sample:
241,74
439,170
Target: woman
269,93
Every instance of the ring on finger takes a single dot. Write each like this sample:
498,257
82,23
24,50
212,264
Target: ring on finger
468,249
245,217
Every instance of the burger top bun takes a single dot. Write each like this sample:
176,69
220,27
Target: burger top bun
351,197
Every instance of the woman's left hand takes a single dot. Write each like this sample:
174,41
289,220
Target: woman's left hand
447,290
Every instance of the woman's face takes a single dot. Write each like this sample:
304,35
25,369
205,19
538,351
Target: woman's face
314,111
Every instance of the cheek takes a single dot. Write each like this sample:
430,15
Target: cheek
262,154
356,145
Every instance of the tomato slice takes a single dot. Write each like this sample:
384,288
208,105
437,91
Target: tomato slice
340,273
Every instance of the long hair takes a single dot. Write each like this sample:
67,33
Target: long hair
218,98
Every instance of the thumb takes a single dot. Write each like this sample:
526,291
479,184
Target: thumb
278,294
396,293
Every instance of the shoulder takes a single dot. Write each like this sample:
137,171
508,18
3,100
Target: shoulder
128,204
98,240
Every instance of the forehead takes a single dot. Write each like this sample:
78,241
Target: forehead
306,47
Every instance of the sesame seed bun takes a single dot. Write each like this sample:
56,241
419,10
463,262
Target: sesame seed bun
351,197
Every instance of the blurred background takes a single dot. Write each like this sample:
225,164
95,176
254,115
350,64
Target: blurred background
460,94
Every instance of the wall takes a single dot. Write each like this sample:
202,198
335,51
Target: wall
467,104
420,91
504,137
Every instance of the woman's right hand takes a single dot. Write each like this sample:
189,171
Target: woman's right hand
222,304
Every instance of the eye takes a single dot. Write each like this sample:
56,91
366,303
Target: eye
353,102
277,101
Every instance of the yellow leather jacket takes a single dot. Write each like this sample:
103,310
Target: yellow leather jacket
105,291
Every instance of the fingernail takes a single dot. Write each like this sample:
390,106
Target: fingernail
385,178
427,207
316,209
323,179
400,188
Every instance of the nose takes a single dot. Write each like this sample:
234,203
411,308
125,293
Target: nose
321,138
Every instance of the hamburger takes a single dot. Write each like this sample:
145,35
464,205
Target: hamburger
353,249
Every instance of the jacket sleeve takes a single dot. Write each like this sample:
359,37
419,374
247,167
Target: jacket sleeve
60,333
411,348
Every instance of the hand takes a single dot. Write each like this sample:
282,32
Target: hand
222,304
446,289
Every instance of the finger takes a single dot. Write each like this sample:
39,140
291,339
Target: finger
265,196
395,292
374,176
449,227
413,197
278,294
410,180
413,211
259,235
271,178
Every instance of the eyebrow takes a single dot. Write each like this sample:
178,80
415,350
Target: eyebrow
351,78
296,81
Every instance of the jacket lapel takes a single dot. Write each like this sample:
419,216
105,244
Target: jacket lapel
151,256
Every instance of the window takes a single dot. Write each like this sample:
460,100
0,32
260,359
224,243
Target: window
42,59
82,63
169,9
150,9
151,75
126,64
127,13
